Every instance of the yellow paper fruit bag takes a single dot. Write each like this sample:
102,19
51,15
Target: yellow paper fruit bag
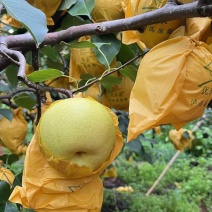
12,134
7,19
118,96
173,85
127,189
110,172
207,37
84,61
61,82
186,1
107,10
49,7
94,92
6,175
181,138
54,184
153,34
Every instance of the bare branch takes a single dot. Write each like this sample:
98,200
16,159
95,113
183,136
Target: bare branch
43,89
9,53
167,13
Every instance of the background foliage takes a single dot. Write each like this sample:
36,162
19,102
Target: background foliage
188,183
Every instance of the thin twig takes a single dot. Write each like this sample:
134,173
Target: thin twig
65,64
35,59
68,93
38,107
163,173
10,58
110,72
21,60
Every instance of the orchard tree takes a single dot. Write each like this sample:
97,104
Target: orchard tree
124,55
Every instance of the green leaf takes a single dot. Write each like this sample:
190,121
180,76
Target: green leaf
53,64
99,45
4,191
125,54
82,83
18,180
49,52
110,51
186,135
109,81
9,158
152,141
33,19
44,75
27,210
129,71
7,113
11,73
66,4
84,44
4,87
2,205
26,100
10,207
82,7
69,21
80,45
86,76
135,146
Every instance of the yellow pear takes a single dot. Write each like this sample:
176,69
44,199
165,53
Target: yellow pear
79,130
12,134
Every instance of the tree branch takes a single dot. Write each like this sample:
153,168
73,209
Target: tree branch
167,13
